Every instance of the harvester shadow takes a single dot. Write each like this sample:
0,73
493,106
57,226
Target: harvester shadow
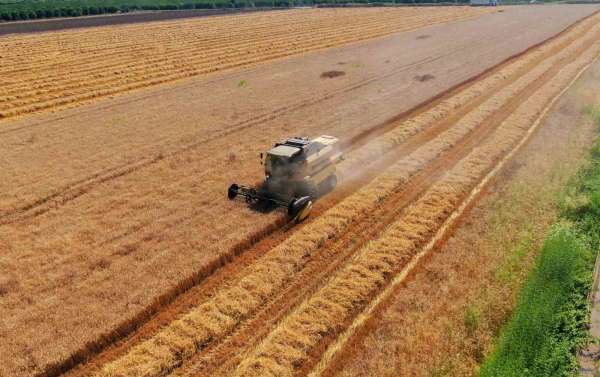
262,207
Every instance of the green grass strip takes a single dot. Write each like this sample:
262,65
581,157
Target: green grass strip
550,321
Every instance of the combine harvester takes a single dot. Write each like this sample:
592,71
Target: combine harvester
297,172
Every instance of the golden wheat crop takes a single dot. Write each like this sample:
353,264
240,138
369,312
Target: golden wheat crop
123,206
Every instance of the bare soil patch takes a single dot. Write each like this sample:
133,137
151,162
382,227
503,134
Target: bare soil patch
332,74
425,77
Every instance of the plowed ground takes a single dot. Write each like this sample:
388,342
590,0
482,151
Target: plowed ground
252,295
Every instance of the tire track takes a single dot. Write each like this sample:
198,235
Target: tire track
411,144
334,356
277,231
80,187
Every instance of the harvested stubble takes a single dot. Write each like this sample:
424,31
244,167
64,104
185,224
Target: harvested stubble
325,313
442,110
64,68
222,313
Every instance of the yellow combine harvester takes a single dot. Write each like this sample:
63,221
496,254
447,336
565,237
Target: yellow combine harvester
297,172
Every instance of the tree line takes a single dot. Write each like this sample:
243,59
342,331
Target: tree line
32,9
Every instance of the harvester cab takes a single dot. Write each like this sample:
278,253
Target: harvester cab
297,172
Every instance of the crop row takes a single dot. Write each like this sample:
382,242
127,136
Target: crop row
206,47
81,52
55,70
151,40
325,313
222,313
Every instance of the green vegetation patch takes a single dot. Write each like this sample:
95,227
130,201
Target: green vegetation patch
34,9
550,321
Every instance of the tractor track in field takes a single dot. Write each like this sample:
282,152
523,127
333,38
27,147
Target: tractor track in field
286,347
336,252
326,261
336,351
262,240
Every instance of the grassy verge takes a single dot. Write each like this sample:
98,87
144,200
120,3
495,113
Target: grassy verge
550,321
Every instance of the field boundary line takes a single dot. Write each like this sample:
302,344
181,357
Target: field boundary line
16,28
446,227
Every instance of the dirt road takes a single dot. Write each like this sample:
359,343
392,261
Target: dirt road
120,204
